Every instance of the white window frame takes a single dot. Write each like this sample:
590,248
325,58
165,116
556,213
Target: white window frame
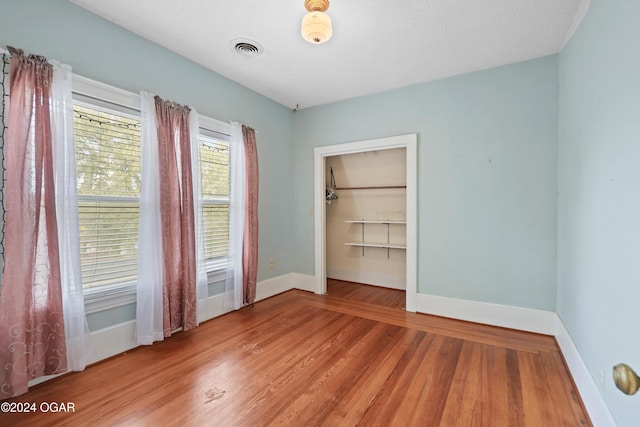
216,269
101,94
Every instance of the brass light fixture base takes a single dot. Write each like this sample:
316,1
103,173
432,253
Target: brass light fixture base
316,5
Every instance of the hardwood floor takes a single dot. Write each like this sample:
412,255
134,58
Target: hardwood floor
299,359
366,293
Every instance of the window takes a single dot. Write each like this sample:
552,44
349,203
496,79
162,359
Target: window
108,172
214,162
107,131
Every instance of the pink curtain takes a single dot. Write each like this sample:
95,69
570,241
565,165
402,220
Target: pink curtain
32,338
177,216
250,246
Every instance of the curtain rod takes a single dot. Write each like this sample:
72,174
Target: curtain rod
4,51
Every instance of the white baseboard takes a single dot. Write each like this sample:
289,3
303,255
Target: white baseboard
506,316
304,282
368,278
277,285
589,392
215,307
108,342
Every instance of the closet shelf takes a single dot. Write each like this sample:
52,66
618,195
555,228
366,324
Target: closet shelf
373,221
386,245
376,245
377,187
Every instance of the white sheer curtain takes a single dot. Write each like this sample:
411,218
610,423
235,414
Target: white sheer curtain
149,311
64,157
233,288
149,320
201,272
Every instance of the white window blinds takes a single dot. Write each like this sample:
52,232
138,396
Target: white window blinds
108,168
214,159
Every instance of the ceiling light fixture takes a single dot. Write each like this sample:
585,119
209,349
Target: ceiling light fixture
316,25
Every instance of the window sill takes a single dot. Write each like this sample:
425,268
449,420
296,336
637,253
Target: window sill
101,299
216,270
96,300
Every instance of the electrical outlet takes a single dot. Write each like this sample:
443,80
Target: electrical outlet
271,264
310,211
602,380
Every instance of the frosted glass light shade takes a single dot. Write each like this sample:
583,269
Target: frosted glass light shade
316,27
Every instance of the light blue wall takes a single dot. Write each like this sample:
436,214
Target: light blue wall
487,145
98,49
599,194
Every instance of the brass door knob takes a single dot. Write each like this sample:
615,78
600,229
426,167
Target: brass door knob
626,379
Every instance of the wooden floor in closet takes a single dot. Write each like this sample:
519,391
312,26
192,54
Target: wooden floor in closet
357,292
352,357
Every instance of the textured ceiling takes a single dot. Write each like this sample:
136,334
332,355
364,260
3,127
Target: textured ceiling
376,45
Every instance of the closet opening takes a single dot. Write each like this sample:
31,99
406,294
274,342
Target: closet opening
365,218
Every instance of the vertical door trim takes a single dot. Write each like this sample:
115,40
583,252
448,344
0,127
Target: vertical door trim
410,143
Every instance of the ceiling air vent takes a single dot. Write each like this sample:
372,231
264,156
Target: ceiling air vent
246,47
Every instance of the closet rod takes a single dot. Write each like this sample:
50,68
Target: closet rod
371,188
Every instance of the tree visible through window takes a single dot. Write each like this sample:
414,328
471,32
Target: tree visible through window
214,160
108,169
109,172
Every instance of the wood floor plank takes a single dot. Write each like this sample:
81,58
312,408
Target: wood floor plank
514,384
299,359
518,340
382,407
401,387
329,388
468,402
566,384
393,298
295,374
432,382
401,397
258,377
353,409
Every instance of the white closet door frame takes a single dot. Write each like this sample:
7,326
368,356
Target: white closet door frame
410,143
